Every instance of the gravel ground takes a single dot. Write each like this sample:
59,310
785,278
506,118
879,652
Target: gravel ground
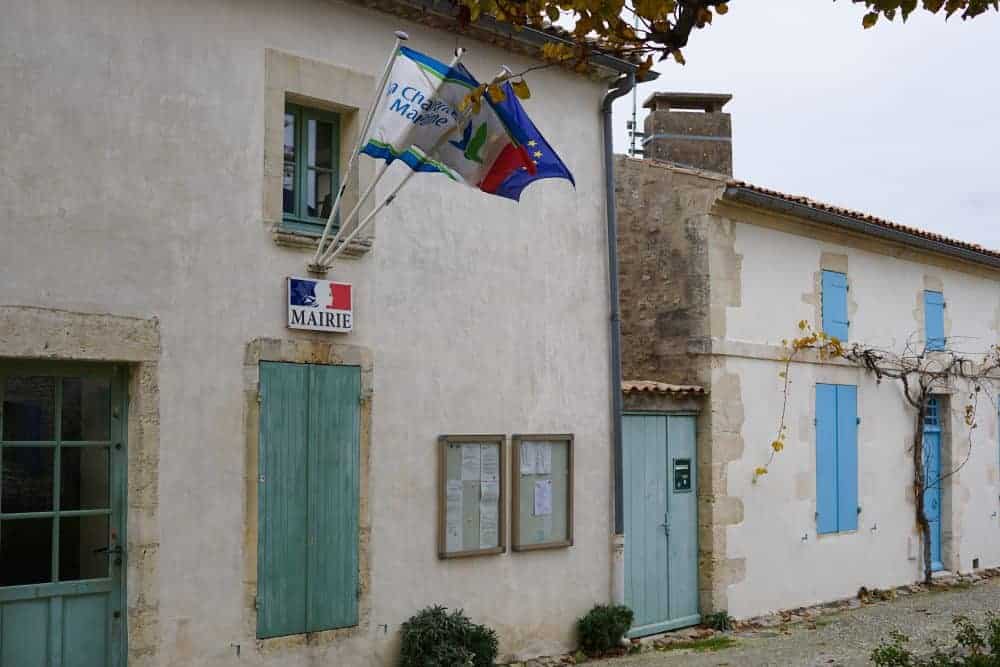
843,638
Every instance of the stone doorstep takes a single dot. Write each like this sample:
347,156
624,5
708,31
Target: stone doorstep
753,626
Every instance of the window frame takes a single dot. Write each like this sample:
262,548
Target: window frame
296,222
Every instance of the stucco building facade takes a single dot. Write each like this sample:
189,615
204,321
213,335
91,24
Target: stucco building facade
142,234
715,275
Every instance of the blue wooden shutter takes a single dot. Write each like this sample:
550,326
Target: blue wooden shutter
282,554
334,395
847,457
934,320
307,567
826,458
835,322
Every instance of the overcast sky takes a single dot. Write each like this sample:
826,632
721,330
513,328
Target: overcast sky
901,121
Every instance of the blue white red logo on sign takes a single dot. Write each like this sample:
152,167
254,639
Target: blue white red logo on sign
319,305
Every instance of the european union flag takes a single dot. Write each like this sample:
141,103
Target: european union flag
510,175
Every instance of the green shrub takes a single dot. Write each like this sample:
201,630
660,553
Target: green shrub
603,627
720,620
435,638
969,649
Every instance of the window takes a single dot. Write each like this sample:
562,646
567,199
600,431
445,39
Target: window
836,458
934,320
311,168
835,322
308,495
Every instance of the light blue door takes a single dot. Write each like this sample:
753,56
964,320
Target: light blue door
932,481
661,522
62,500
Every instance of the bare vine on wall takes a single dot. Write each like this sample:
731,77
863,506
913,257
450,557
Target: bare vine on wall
921,373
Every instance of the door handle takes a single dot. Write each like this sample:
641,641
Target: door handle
666,526
115,552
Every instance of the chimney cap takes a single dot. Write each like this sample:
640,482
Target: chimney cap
707,102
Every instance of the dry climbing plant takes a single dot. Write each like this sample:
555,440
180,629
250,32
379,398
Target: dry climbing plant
921,374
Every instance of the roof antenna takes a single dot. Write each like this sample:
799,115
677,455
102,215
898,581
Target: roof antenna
633,129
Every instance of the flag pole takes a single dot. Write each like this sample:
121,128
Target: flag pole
400,38
504,73
338,244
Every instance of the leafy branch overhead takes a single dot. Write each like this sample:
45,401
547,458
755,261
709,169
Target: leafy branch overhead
651,29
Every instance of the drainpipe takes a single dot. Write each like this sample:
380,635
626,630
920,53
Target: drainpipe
622,86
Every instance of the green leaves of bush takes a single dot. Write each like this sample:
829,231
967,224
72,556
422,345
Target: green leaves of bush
603,627
435,638
974,647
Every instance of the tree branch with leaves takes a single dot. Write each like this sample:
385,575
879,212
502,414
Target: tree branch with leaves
649,30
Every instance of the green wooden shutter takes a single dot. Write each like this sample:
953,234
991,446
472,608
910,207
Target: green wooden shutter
333,497
282,495
307,568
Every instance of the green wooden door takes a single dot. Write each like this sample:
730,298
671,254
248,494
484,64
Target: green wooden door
661,522
62,500
307,567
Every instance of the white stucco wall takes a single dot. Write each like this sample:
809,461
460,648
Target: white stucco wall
130,183
786,563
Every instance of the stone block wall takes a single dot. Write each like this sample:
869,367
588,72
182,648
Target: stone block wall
678,273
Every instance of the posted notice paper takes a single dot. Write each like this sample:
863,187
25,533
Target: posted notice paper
543,498
489,491
453,516
490,463
527,457
471,457
543,458
489,525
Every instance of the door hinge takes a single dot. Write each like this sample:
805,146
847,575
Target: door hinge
255,606
258,398
859,420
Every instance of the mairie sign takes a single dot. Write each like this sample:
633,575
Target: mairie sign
319,305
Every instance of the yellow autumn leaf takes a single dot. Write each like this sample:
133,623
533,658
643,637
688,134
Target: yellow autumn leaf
869,20
521,89
496,93
760,471
722,8
777,445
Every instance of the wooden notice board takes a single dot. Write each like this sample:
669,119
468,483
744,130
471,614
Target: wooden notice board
471,517
542,512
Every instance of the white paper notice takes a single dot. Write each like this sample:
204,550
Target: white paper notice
453,516
490,463
489,521
543,498
527,457
470,463
489,491
543,458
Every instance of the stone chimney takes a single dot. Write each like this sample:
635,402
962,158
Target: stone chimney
689,129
